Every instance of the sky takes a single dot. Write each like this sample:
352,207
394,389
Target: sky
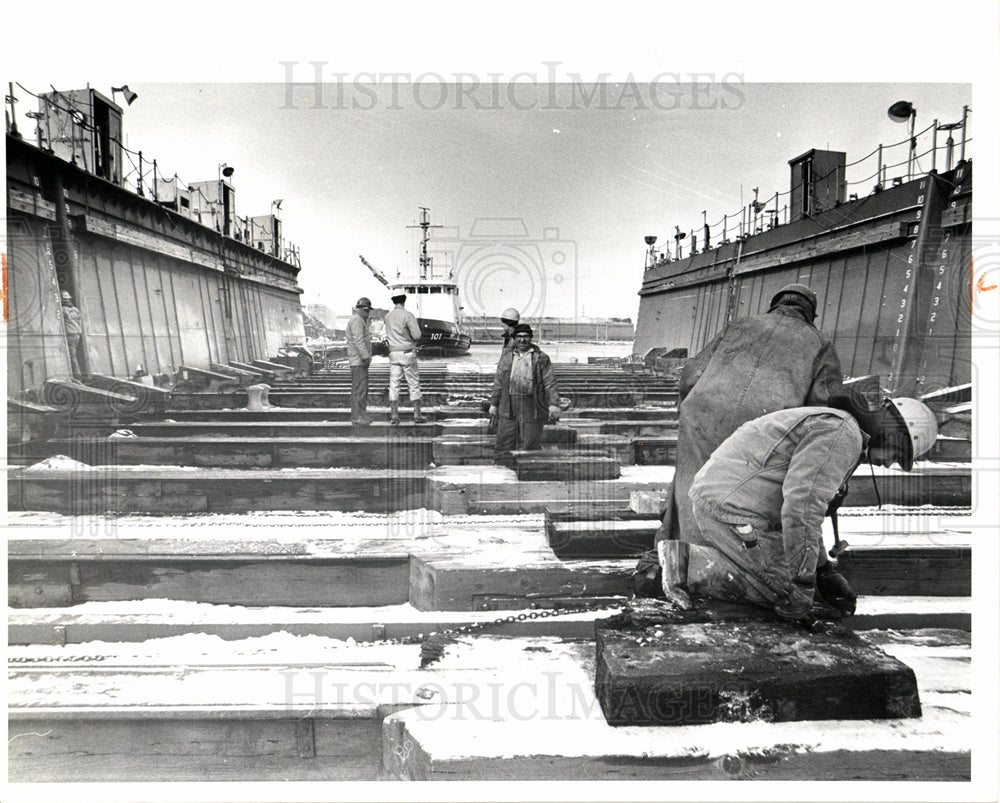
544,175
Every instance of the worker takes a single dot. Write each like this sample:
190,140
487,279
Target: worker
524,394
359,357
510,318
761,498
73,327
403,333
755,366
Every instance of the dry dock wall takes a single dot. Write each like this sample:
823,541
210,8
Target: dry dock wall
892,272
155,289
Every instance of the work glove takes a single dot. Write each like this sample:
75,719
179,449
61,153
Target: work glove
835,590
799,601
493,411
554,413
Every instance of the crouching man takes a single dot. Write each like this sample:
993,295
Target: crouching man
761,498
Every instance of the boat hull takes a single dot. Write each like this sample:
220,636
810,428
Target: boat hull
445,337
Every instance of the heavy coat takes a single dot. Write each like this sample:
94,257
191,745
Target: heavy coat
359,341
755,366
545,392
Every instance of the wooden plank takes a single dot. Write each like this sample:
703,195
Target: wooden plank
658,451
218,491
234,749
533,466
454,584
70,626
282,581
775,764
674,675
900,571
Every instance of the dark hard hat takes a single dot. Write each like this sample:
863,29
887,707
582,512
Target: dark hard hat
522,329
399,298
803,290
364,303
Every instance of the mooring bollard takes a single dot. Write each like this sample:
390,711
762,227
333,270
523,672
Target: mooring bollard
257,397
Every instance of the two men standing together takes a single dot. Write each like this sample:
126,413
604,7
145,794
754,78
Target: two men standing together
403,333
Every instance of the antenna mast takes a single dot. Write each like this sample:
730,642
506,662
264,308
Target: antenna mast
426,262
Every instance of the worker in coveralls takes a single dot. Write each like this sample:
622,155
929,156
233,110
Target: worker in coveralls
524,395
756,365
359,357
403,332
761,498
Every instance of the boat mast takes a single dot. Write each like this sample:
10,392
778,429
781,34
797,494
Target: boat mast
426,262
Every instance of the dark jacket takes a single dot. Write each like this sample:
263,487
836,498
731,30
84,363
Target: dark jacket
755,366
543,384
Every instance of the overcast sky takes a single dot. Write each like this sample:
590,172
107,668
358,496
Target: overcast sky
581,173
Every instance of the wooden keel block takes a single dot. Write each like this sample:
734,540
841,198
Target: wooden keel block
536,466
674,674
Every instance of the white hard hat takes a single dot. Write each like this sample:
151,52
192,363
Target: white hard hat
510,314
921,425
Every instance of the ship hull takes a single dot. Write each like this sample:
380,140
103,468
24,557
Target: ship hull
444,337
892,272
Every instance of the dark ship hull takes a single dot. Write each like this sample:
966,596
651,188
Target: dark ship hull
893,273
443,337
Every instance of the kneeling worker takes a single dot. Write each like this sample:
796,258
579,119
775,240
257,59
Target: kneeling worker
761,498
524,394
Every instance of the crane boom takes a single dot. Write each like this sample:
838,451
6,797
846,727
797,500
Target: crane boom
375,271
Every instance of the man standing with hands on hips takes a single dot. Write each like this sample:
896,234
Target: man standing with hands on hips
403,333
359,356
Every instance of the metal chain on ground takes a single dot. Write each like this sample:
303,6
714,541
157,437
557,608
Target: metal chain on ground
54,659
432,644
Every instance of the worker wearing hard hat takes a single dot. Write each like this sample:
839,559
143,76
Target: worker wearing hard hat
761,498
359,357
510,318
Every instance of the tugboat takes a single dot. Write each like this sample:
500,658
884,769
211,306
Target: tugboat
434,301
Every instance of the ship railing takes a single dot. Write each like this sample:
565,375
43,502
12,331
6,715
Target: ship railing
886,165
145,177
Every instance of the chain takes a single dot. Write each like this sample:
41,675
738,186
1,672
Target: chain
432,647
55,659
432,644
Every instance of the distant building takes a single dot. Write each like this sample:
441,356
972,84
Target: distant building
322,313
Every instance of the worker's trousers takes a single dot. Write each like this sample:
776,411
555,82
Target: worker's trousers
751,566
403,364
359,389
73,343
524,430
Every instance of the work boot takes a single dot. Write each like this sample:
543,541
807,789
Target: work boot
673,557
417,417
362,420
394,413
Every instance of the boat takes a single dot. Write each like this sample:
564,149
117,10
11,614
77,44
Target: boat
169,280
435,301
890,258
